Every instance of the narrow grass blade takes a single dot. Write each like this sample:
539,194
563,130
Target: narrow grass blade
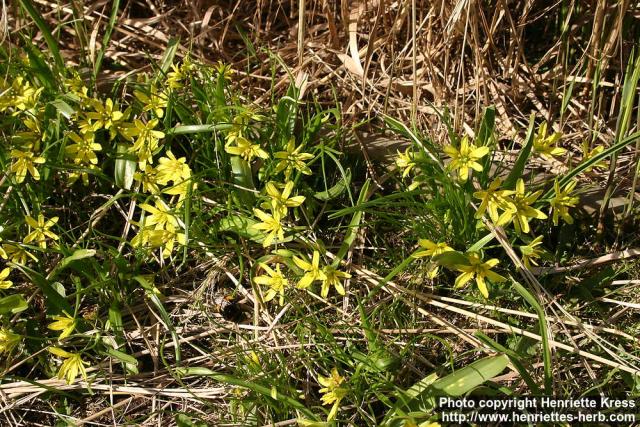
515,361
152,294
169,55
28,6
542,322
115,6
592,161
518,167
354,225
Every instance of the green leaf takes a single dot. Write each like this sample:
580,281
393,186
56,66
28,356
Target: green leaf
242,226
39,66
421,396
451,259
77,255
130,362
13,304
169,54
195,371
336,190
191,129
65,109
183,420
123,357
520,163
515,361
354,225
115,318
243,179
125,167
54,300
471,376
281,398
481,243
486,127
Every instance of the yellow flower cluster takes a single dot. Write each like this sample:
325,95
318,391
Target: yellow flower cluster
161,228
333,391
279,195
21,99
328,275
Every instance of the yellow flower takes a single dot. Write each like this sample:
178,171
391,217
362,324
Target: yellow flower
161,215
65,323
105,115
76,86
20,95
588,154
156,238
148,178
180,190
332,277
280,201
312,270
175,77
431,249
71,366
170,237
492,200
17,254
5,284
146,140
531,251
466,158
172,169
224,70
245,149
3,254
23,162
406,161
8,340
546,145
270,224
179,73
562,201
520,210
276,282
83,151
478,270
33,136
155,101
41,230
332,391
293,158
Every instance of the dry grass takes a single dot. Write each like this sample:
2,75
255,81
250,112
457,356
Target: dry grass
384,57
